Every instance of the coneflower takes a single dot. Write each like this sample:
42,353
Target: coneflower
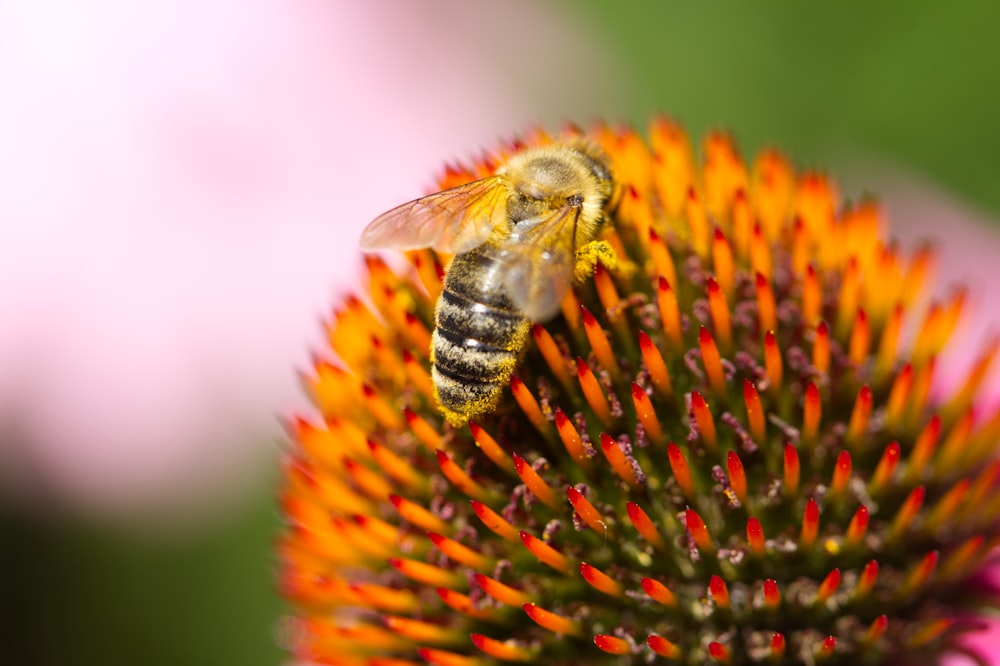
722,451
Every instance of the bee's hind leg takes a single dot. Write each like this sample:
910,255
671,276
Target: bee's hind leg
591,253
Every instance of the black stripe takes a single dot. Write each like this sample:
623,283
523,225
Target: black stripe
465,302
470,344
456,376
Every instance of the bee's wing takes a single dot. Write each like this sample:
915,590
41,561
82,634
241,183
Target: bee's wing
538,264
452,221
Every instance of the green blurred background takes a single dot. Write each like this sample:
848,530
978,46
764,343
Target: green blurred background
917,83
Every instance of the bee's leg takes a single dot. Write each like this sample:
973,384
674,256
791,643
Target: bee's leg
591,253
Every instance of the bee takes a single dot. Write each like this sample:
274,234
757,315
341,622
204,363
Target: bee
519,239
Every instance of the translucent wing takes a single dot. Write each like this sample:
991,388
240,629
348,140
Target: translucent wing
452,221
538,263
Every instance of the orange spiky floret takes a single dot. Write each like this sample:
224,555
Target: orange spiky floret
763,478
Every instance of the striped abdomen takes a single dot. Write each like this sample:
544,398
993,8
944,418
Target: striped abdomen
478,336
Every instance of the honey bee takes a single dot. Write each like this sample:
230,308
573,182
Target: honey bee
520,237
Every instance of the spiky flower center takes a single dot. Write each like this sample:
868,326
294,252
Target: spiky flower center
717,452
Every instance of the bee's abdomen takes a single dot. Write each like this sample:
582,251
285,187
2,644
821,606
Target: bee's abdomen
477,338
